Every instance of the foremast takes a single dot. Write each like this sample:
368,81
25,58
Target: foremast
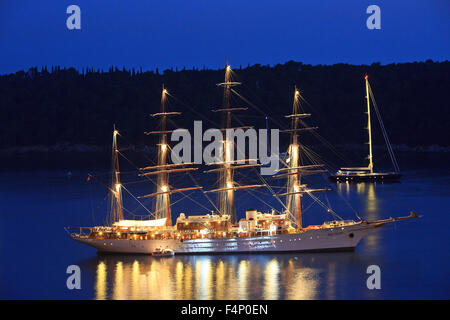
295,169
116,187
163,168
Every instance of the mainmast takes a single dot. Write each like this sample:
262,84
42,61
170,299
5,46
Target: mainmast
226,198
116,205
369,127
163,168
227,185
294,180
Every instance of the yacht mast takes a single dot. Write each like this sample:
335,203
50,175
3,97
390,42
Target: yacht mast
369,127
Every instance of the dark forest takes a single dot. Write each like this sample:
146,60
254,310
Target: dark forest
52,105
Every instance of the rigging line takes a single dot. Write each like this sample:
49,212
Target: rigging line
263,201
256,97
271,190
92,204
194,110
139,205
133,182
329,209
150,213
145,156
347,203
305,210
304,100
182,198
256,107
323,205
383,129
121,154
196,202
195,182
328,200
315,158
133,214
325,142
342,197
385,136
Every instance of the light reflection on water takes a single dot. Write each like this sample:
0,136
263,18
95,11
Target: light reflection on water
413,255
233,277
239,277
367,194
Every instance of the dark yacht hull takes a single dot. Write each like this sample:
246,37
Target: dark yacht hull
369,177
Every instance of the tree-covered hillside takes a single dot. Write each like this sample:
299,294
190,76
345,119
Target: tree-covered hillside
63,106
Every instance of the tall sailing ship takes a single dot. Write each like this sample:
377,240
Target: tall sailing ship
367,174
221,232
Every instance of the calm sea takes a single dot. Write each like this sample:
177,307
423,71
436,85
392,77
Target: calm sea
35,251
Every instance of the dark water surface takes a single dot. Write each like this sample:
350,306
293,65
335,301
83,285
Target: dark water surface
35,250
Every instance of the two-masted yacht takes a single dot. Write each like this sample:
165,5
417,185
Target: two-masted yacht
221,231
367,174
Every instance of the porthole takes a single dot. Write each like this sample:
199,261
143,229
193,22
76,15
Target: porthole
351,235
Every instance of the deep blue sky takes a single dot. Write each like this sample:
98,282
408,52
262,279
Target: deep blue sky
174,33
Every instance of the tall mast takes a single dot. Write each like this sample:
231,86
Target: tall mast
162,200
116,186
226,183
369,127
163,168
226,198
295,169
294,181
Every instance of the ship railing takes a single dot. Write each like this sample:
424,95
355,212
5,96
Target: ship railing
82,231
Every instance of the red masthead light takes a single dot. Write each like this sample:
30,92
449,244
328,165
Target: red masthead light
366,76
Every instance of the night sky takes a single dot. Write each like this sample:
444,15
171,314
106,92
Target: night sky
173,33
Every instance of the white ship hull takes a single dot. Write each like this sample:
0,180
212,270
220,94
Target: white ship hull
327,239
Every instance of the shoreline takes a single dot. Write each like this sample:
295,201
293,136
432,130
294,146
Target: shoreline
82,148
